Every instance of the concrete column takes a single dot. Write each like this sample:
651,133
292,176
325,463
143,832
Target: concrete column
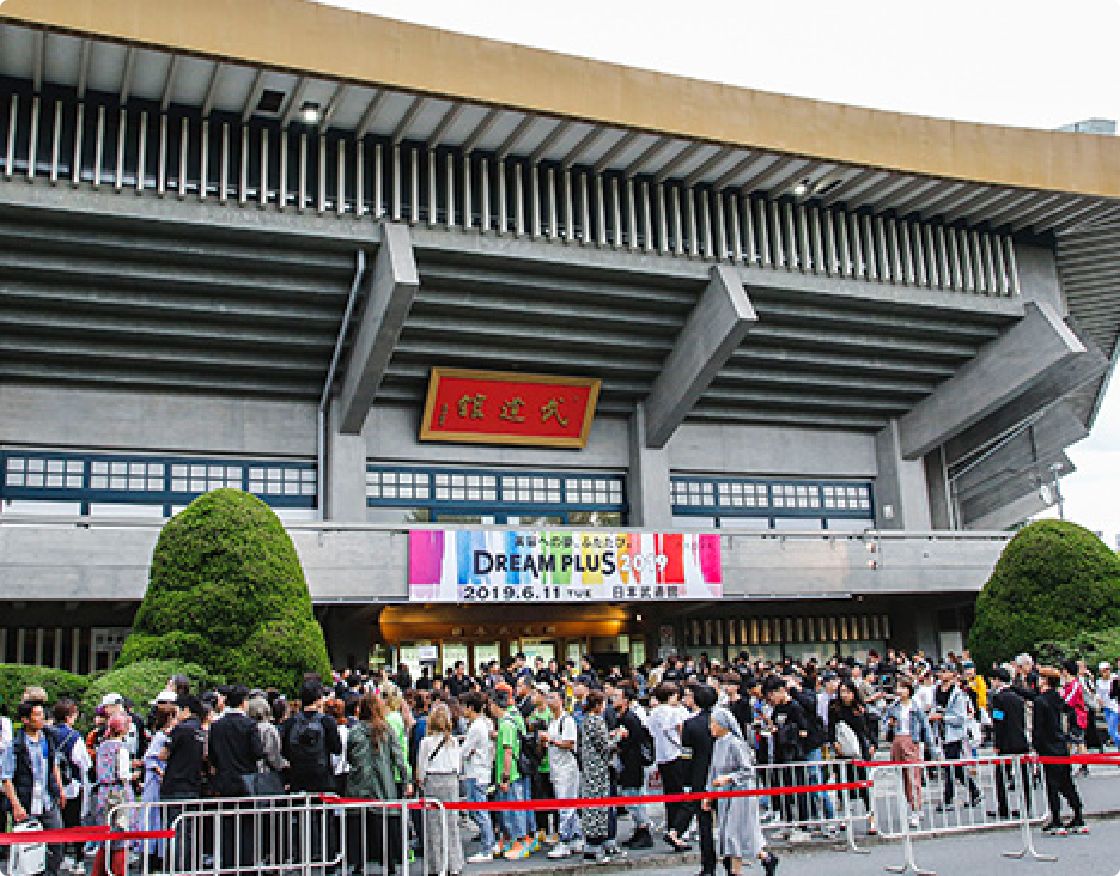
901,495
346,474
647,482
940,499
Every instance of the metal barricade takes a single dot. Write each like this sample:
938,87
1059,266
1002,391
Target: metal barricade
824,814
314,835
936,798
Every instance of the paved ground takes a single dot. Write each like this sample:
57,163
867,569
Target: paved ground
980,851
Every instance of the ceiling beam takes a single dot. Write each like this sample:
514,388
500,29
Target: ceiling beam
735,172
410,114
253,97
370,114
778,184
332,106
126,73
620,146
212,89
707,166
559,131
852,184
875,193
527,121
169,83
83,67
444,124
677,161
480,130
586,142
782,162
648,154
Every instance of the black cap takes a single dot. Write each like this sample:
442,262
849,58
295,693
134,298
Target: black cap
1001,674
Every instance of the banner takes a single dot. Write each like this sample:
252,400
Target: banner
474,565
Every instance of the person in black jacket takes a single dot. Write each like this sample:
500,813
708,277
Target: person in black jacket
632,736
793,731
696,742
848,708
1009,736
1050,741
234,749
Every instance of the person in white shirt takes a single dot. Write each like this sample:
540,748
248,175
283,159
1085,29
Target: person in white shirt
437,774
478,771
1109,702
563,769
664,726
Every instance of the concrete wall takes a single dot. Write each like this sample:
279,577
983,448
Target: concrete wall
98,419
365,564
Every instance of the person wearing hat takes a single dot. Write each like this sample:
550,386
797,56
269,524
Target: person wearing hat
1108,695
732,769
1009,736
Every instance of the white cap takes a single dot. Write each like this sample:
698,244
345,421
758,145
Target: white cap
165,696
1104,664
112,699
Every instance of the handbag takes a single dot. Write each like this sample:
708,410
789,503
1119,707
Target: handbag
264,783
28,859
847,743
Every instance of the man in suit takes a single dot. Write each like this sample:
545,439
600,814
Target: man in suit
696,742
1009,732
235,747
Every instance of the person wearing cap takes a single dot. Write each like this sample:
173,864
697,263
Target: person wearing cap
1009,737
950,717
1108,695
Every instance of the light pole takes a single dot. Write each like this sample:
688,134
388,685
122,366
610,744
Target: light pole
1055,468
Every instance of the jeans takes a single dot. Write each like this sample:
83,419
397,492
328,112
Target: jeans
512,819
476,793
1112,722
565,785
816,777
637,810
528,818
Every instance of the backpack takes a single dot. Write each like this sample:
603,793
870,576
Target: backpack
808,702
646,750
307,743
528,755
65,737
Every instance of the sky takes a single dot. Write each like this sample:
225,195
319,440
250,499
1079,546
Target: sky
1019,63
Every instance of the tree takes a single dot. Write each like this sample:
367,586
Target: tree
226,590
1053,580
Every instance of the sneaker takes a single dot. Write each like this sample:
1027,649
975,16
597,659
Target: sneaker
552,839
576,846
67,864
517,852
601,857
79,869
1077,825
558,851
481,858
1054,828
641,839
915,821
500,848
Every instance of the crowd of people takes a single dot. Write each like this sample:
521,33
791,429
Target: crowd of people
544,730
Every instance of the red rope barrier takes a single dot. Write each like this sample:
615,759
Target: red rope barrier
603,802
100,834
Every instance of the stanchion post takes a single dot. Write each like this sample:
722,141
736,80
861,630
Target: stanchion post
849,772
911,865
1022,776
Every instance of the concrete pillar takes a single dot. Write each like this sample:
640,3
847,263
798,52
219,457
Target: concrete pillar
346,474
1038,276
647,482
940,496
901,495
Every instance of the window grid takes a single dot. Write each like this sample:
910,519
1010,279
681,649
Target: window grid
740,497
492,488
148,480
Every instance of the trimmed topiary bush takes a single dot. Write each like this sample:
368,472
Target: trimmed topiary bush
58,683
1090,647
227,591
1053,581
142,680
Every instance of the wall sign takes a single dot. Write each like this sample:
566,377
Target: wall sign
491,407
527,566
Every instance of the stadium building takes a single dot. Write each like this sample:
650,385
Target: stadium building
528,351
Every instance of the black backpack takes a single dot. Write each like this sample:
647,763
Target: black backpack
65,738
307,743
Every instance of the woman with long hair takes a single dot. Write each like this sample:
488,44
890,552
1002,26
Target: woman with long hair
595,753
438,765
851,740
376,759
155,759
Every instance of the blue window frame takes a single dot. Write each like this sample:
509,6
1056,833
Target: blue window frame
497,493
698,496
149,480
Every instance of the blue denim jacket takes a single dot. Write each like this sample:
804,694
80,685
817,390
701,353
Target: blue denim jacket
955,717
919,725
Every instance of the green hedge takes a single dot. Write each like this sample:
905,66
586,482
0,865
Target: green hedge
1053,581
227,591
142,681
58,683
1090,647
